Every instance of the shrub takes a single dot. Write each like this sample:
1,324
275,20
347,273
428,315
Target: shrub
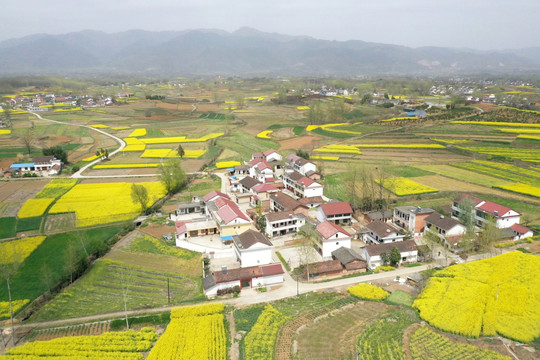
368,291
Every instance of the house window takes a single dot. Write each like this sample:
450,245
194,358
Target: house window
337,243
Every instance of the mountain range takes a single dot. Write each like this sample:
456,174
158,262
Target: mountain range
243,52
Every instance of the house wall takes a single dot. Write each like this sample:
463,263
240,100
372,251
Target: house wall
420,223
274,156
320,215
214,289
507,222
330,245
256,257
311,192
234,229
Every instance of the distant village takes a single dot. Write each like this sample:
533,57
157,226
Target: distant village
272,203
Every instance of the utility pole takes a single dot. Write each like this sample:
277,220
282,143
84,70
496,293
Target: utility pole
168,292
297,292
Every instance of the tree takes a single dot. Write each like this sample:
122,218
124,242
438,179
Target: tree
181,152
385,258
72,261
315,113
304,244
139,195
46,276
240,100
490,233
28,138
467,216
260,219
171,175
431,238
126,276
7,270
57,152
302,153
395,256
103,154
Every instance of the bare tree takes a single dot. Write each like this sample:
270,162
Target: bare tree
28,139
468,218
304,243
181,152
139,195
7,270
46,276
126,276
72,261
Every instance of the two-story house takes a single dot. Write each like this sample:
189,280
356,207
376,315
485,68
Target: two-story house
283,223
379,232
411,218
252,248
484,210
300,185
337,212
332,237
448,229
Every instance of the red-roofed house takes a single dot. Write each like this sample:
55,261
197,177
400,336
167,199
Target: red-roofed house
261,170
272,155
337,212
228,216
301,165
301,185
332,237
484,210
248,277
213,195
520,232
263,191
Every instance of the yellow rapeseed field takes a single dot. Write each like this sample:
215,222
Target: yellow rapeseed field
19,249
133,141
265,134
180,139
4,307
95,204
125,166
141,147
168,153
5,132
34,207
90,158
227,164
402,146
368,291
260,341
100,126
499,295
495,123
330,158
138,132
400,118
336,148
195,332
522,189
402,186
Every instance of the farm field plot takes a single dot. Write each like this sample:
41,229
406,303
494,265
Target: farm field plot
525,154
195,332
127,345
465,175
501,296
112,201
427,344
505,174
96,328
51,256
341,325
383,338
402,186
101,290
260,340
411,156
244,144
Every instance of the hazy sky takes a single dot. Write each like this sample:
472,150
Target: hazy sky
479,24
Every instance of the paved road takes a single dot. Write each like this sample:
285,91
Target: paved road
78,174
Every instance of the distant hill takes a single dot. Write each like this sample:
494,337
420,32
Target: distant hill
243,52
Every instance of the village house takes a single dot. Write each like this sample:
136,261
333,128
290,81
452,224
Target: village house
311,202
380,215
407,249
196,206
520,232
379,232
263,191
282,202
300,164
301,185
411,218
283,223
247,183
252,248
228,216
350,259
261,170
325,268
247,277
194,228
40,165
331,237
337,212
484,210
448,229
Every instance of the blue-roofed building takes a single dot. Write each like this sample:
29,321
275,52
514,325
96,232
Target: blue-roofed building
23,166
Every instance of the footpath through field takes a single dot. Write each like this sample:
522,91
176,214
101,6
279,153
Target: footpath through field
78,175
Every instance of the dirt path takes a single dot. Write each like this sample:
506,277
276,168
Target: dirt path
234,350
407,339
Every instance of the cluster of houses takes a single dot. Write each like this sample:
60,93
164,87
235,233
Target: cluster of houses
289,195
46,102
40,166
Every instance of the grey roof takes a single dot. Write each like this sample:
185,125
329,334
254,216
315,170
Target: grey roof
346,255
249,238
241,168
378,215
415,209
249,182
378,249
208,282
382,229
294,175
442,222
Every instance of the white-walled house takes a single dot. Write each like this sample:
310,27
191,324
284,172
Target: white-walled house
336,212
301,185
331,238
283,223
379,232
252,249
504,216
407,249
300,164
520,232
448,229
411,218
249,277
272,155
